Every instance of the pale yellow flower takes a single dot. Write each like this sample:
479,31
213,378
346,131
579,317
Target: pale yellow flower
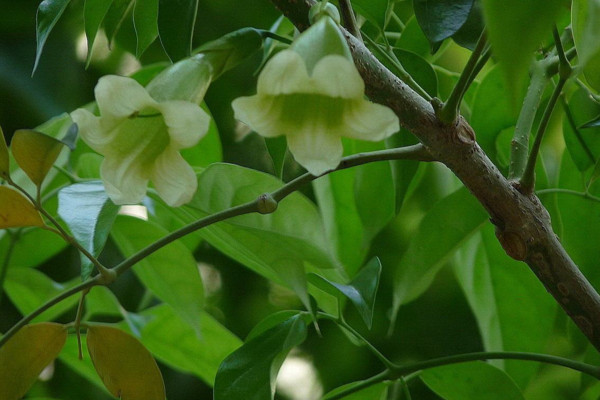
140,140
313,94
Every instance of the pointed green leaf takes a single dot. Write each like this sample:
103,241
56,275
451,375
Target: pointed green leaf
448,224
171,273
89,214
469,381
4,164
373,10
26,354
16,210
145,20
35,153
94,12
125,366
441,19
515,30
48,13
250,372
176,20
118,12
361,291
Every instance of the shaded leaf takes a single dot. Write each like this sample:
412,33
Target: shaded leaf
35,153
16,210
94,12
250,372
440,19
4,164
468,34
176,20
585,21
419,69
361,290
89,214
583,145
515,34
125,366
48,13
469,381
593,123
145,21
26,354
446,226
116,15
170,273
374,392
373,10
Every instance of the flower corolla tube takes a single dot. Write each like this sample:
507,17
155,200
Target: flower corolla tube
140,140
313,94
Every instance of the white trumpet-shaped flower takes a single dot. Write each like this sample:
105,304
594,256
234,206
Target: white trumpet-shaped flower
140,140
313,94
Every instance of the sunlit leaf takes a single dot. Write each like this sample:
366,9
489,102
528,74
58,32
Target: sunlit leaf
469,381
361,291
35,153
441,19
124,365
176,20
16,210
89,214
94,12
26,354
145,20
250,372
171,273
440,234
48,13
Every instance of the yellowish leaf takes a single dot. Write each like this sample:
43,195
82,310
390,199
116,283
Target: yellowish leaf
125,366
4,169
35,153
26,354
16,210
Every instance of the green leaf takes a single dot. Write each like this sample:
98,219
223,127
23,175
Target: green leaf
175,343
4,164
34,247
124,365
373,10
515,34
145,21
250,371
94,12
414,40
170,273
26,354
440,19
271,321
275,245
593,123
16,210
35,153
101,301
374,392
468,34
84,367
89,214
116,15
29,289
361,290
446,226
469,381
48,13
583,144
176,20
419,69
504,294
585,21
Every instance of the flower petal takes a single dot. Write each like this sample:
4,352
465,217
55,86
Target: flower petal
284,73
174,179
316,149
187,122
260,114
119,96
125,182
90,130
336,76
369,121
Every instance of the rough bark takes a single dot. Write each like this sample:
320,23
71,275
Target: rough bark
522,223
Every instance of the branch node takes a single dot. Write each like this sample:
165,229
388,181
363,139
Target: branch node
266,204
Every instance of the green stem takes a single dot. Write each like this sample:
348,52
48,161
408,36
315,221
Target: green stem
381,377
448,113
349,19
97,280
12,241
585,195
588,369
527,180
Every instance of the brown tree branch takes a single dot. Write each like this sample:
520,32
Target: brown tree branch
522,223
